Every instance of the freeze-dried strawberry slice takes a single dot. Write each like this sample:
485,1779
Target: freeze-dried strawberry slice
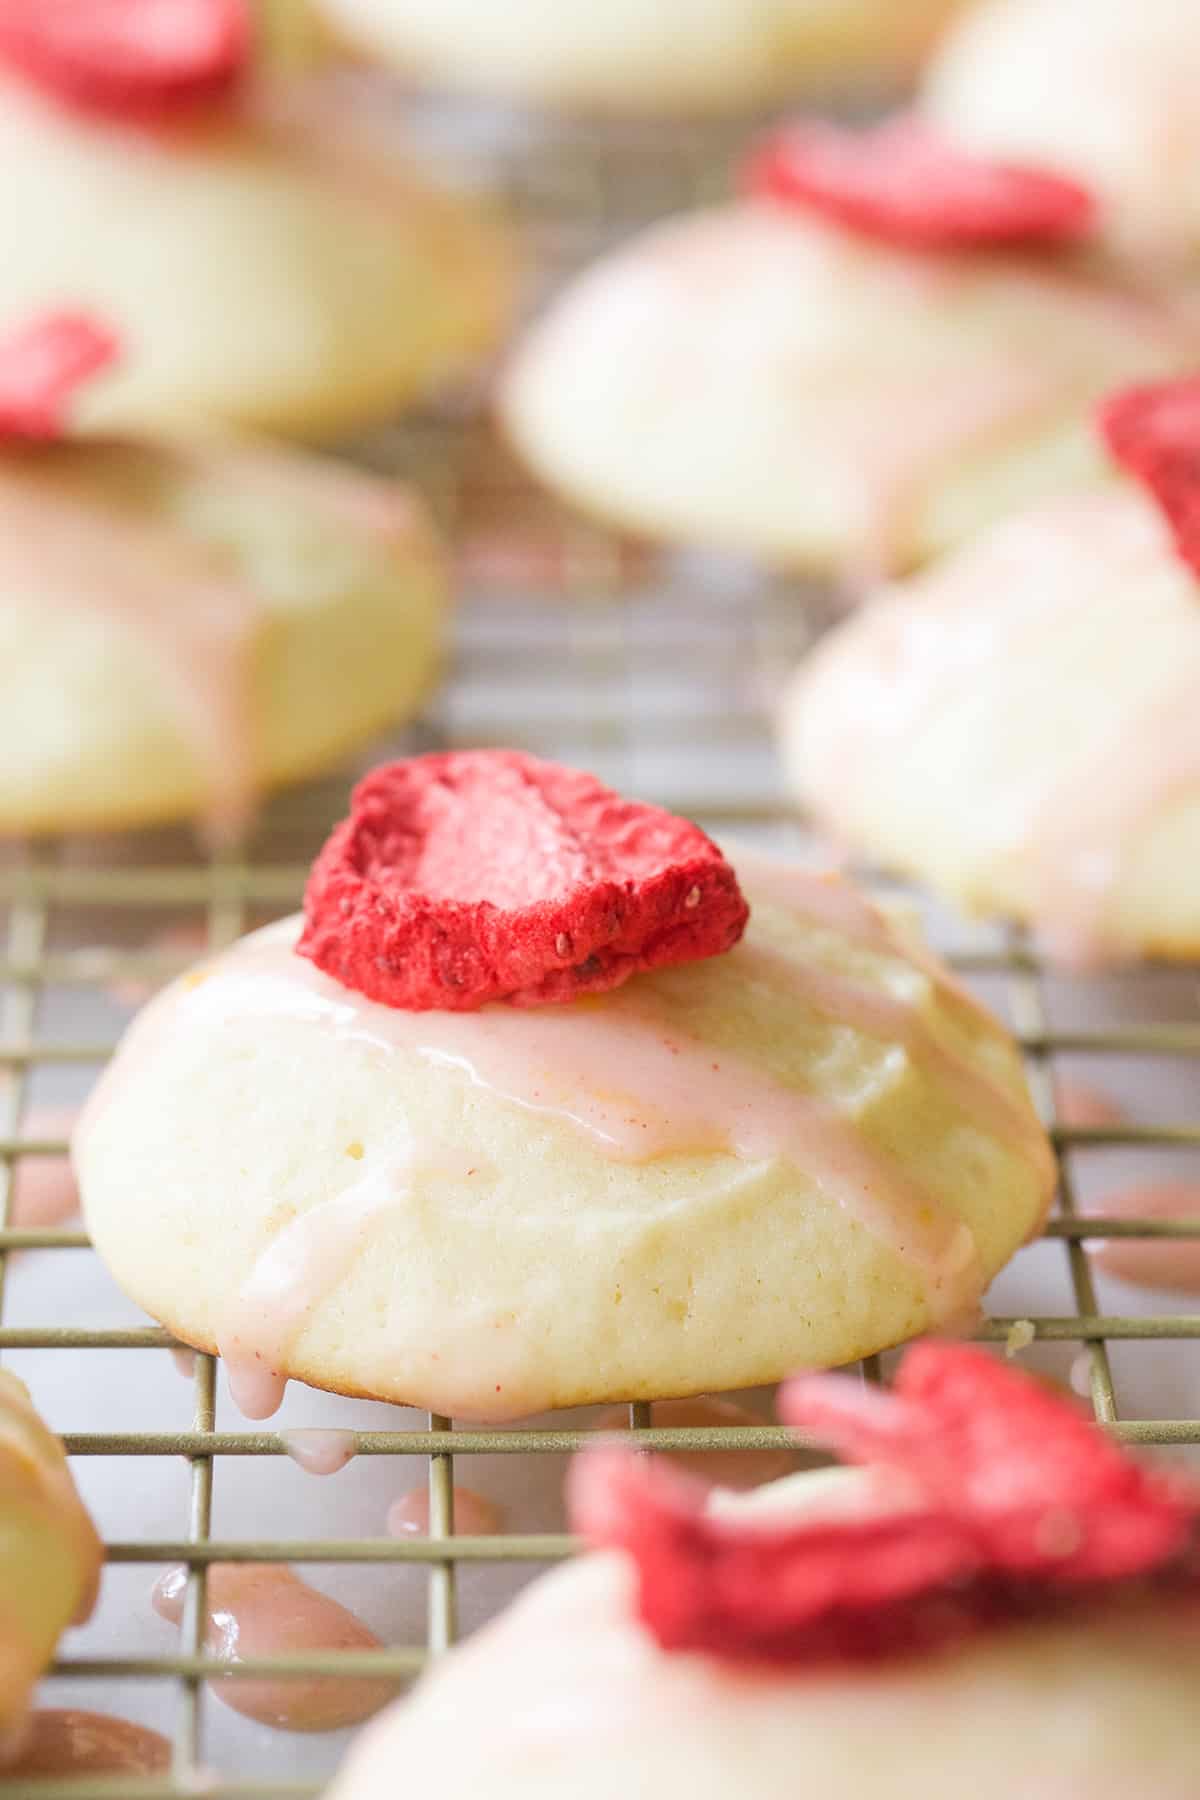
1046,1490
483,875
994,1501
127,56
902,182
1154,433
41,365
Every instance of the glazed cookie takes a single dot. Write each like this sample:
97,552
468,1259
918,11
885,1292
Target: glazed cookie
681,56
816,1626
1104,92
663,1167
880,349
1018,726
181,628
49,1553
267,261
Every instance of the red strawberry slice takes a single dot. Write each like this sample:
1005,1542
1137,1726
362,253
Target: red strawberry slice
1154,433
984,1441
904,184
995,1501
127,56
40,368
474,876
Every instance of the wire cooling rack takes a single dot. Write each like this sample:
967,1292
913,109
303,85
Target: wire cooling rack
658,673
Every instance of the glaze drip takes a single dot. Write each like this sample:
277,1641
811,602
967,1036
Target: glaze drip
265,1609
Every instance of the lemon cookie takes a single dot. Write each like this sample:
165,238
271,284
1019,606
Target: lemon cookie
49,1553
1104,92
181,629
685,55
1018,727
267,260
791,1152
636,1670
842,373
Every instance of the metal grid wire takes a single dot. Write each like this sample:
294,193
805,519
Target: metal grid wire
584,648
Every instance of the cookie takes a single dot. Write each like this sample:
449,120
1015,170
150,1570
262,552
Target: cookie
269,264
181,629
49,1553
1103,92
762,379
792,1153
1017,727
591,1683
680,56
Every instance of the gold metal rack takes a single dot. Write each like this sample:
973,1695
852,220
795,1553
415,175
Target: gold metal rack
655,671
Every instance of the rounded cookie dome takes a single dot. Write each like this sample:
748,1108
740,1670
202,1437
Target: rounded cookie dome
1017,727
792,1154
180,629
567,1692
1103,92
49,1553
267,265
680,55
758,379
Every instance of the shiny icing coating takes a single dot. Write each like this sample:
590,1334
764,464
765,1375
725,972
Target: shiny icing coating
1018,727
49,1553
458,1209
757,379
567,1694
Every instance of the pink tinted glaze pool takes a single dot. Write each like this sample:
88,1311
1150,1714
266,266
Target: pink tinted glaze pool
741,1469
44,1192
1086,1107
1155,1263
265,1609
474,1514
320,1452
69,1742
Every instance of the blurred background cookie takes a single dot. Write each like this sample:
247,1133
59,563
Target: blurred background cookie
1018,727
859,363
267,260
1104,91
181,629
627,57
